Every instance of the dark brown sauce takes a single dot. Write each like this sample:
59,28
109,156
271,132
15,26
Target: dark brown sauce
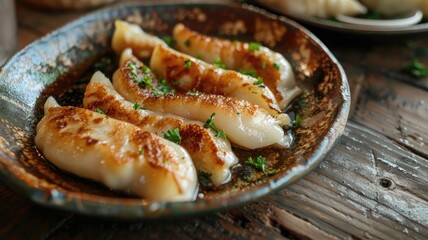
69,90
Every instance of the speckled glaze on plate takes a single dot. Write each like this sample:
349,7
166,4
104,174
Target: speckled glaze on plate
55,64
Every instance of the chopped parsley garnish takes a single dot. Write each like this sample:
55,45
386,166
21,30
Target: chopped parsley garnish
263,65
260,164
187,43
164,87
141,152
169,41
219,63
173,135
297,121
276,65
98,110
235,42
136,106
259,81
417,69
175,82
251,72
146,70
254,46
210,124
187,64
146,79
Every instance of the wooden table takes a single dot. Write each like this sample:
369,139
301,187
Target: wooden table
373,185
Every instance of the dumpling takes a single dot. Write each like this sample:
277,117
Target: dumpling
317,8
254,59
245,124
190,74
128,35
394,7
210,154
115,153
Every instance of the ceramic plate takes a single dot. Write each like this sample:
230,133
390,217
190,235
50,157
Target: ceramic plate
60,64
334,25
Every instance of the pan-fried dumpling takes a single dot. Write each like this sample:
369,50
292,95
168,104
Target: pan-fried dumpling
115,153
128,35
209,153
270,66
317,8
190,74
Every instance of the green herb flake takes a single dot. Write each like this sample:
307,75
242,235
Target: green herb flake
187,64
417,69
276,65
141,152
173,135
258,82
297,121
254,46
136,106
210,124
263,65
98,110
235,42
169,41
145,69
251,72
175,82
219,63
165,87
145,80
260,164
187,43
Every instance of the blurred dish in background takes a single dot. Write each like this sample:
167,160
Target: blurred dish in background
411,19
317,8
397,7
67,4
374,17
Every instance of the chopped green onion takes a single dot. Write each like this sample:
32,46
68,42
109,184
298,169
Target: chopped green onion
173,135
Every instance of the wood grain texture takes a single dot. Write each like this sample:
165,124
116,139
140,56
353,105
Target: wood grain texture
394,108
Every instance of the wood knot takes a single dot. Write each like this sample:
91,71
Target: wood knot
387,183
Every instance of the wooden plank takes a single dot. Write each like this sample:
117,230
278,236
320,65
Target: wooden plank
43,21
396,109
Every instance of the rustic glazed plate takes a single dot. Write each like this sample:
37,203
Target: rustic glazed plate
60,65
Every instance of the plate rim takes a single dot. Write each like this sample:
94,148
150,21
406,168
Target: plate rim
139,209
